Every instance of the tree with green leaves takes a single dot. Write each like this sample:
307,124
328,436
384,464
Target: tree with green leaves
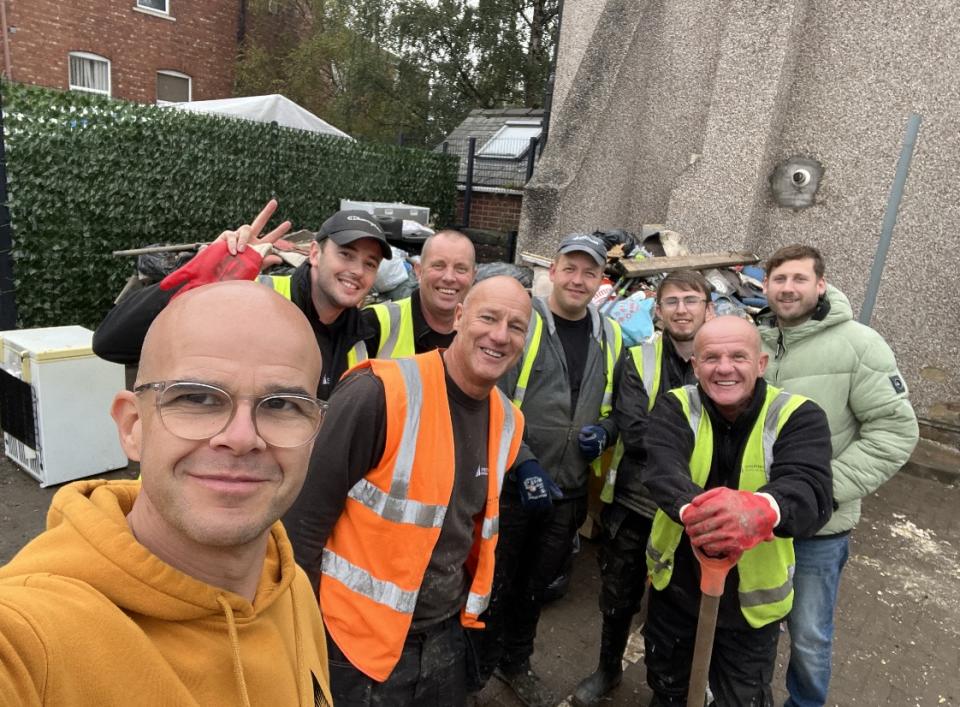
380,68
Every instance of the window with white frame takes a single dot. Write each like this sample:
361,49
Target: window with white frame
511,141
173,87
89,72
155,5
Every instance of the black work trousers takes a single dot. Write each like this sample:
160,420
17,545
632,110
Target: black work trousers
623,563
741,668
431,672
531,551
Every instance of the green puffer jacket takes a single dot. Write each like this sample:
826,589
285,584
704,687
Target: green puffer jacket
848,369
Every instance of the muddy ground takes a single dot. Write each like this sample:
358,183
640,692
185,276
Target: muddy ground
898,636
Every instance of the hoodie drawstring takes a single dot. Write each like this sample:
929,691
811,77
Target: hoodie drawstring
235,645
306,680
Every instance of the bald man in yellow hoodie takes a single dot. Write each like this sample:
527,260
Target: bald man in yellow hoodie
183,591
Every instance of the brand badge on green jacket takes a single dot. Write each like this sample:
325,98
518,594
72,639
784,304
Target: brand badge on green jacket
898,384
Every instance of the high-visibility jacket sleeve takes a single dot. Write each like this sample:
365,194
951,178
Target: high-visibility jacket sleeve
800,478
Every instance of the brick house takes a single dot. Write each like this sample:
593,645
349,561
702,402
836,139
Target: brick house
140,50
502,159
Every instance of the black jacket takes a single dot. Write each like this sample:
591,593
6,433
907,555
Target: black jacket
800,480
120,335
630,412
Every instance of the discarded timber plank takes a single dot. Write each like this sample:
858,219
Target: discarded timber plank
704,261
535,259
159,249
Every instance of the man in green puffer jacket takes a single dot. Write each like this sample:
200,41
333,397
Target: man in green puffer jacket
816,349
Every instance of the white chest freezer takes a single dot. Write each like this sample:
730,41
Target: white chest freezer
55,397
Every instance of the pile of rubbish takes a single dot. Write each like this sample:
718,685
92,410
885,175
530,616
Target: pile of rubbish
636,265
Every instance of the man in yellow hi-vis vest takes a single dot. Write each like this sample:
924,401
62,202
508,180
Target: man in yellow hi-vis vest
564,386
424,321
652,368
738,468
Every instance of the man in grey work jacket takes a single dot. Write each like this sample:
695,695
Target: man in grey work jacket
564,385
653,368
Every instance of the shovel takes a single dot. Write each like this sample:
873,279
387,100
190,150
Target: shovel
713,574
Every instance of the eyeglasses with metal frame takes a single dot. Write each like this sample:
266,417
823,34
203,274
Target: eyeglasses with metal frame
673,302
196,411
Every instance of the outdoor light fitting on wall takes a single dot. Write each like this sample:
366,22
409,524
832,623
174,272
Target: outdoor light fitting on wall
794,182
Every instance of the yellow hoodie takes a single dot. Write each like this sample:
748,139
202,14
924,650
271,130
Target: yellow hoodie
89,617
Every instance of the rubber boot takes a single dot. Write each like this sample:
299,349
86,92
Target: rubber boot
609,673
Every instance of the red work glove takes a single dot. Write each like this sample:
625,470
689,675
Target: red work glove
214,264
724,521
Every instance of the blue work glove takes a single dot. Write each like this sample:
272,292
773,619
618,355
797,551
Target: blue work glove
592,440
537,489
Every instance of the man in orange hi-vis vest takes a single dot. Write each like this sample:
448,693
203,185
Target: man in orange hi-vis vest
398,519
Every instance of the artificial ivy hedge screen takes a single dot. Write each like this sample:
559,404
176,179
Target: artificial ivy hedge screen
88,175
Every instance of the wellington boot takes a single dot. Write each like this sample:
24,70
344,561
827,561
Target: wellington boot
609,673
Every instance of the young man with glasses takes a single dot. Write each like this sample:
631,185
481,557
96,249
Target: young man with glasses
398,520
182,589
683,305
818,350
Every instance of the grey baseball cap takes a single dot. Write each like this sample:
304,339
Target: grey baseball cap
591,245
348,226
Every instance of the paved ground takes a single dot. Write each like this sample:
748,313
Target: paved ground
898,621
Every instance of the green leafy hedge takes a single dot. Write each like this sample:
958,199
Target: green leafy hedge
88,175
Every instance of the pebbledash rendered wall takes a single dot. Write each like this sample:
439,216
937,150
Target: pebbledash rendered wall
677,112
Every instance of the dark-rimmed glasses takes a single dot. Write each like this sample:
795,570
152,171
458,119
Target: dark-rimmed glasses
195,411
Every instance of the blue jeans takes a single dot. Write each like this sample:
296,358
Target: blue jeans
815,584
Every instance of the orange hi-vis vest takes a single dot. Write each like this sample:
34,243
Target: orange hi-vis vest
376,556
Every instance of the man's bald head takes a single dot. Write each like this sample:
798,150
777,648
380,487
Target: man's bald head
728,326
499,286
225,490
227,315
491,327
728,361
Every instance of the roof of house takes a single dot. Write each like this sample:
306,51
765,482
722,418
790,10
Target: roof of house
483,124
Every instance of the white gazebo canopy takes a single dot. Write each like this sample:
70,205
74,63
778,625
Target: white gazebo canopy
265,109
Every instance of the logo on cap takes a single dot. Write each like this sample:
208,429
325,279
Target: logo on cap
360,218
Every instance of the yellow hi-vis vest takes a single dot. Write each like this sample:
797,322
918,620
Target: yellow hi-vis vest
766,571
281,285
648,360
612,346
396,328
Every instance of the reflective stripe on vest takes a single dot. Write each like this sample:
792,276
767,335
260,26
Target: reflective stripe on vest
396,328
281,285
765,588
380,548
648,360
531,348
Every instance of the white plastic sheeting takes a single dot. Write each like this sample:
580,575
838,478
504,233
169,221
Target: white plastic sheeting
265,109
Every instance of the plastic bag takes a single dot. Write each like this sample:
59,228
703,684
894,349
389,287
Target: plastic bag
392,273
635,315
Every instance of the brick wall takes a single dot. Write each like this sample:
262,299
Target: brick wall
498,212
200,40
